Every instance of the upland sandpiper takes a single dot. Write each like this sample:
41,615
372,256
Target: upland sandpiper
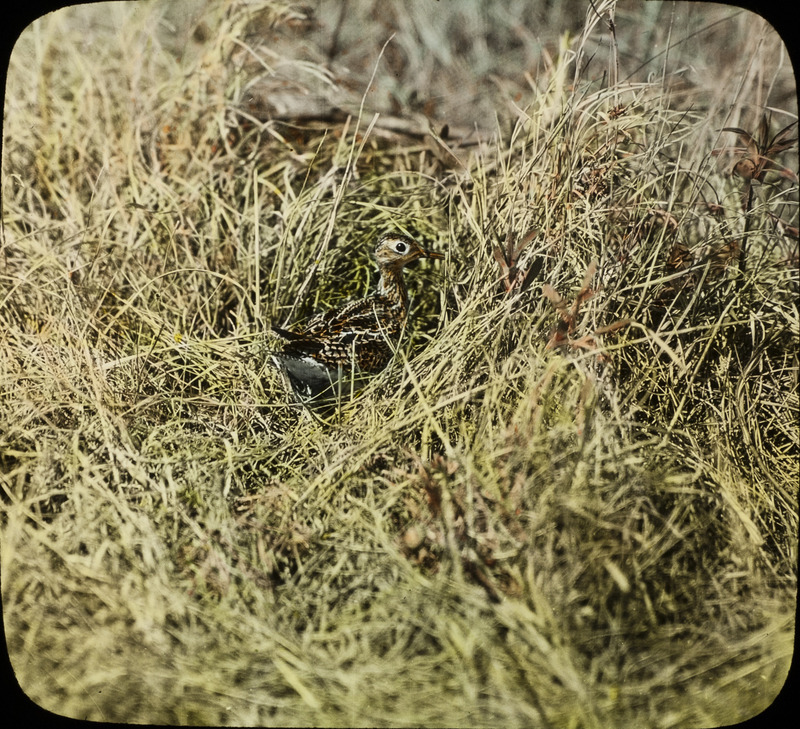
358,338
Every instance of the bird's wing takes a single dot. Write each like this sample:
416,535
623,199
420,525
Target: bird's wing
371,317
362,329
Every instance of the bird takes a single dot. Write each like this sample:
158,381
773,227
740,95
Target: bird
357,339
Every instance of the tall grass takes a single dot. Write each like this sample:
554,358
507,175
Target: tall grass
568,501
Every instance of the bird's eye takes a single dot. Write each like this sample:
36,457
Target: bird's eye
400,247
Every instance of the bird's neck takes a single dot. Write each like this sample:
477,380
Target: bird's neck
392,286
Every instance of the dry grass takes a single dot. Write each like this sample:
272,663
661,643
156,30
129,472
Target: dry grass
569,501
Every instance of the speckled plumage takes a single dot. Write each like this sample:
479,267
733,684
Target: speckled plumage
358,338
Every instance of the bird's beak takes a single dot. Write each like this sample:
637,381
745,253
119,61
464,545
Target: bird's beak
432,254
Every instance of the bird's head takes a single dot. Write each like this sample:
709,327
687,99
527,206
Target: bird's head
396,250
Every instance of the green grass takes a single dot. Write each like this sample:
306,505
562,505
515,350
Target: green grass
570,500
